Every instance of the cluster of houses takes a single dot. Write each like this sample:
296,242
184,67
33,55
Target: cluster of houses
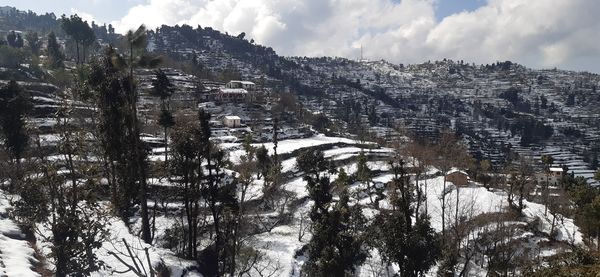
232,92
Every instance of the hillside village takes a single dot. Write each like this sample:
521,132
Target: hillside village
521,140
428,97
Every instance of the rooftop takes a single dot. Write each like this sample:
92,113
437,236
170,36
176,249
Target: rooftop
233,90
242,82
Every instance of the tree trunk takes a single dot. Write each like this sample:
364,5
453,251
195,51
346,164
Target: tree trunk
77,47
188,215
545,196
553,223
444,209
166,148
139,159
214,209
425,202
369,192
419,194
457,204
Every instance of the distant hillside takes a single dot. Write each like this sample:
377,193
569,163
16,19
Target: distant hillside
498,108
13,19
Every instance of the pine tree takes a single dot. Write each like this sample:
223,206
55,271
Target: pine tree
187,166
119,134
221,199
19,43
55,55
263,160
14,106
33,42
163,88
336,247
137,41
80,32
414,248
11,39
364,174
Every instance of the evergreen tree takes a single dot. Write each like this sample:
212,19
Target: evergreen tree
14,106
80,32
336,247
55,55
364,174
163,88
19,43
187,166
221,199
263,160
123,152
414,248
11,39
137,41
33,42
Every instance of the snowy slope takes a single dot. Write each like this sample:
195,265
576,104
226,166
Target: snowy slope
16,254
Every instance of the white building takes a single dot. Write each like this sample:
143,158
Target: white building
230,95
232,121
247,85
553,175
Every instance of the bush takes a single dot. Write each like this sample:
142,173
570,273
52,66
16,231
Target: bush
11,57
174,239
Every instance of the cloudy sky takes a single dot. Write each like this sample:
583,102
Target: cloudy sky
537,33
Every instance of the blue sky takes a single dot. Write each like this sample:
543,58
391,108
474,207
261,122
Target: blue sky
448,7
102,10
111,10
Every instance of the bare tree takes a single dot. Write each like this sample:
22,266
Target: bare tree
547,160
419,160
141,267
450,153
520,183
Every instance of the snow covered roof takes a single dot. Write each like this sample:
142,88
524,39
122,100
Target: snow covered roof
206,104
556,169
232,117
456,170
233,90
242,82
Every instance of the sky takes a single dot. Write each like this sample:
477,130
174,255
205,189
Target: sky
536,33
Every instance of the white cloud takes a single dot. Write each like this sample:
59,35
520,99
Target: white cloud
541,33
538,33
85,16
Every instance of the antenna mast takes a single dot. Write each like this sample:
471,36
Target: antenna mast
361,52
